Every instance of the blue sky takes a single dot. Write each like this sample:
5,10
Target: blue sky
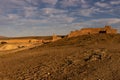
45,17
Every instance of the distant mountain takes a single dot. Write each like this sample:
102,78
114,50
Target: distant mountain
2,37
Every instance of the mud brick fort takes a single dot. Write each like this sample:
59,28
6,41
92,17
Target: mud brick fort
86,31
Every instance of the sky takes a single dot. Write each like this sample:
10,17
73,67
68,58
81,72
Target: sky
47,17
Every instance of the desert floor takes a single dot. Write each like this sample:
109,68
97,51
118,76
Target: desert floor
90,57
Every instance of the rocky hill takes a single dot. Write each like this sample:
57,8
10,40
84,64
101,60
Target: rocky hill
89,40
87,57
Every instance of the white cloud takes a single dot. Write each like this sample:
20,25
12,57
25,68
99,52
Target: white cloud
88,12
52,11
56,15
103,5
13,16
30,27
12,4
84,4
74,3
18,2
69,3
53,2
34,16
83,1
108,20
115,2
61,19
99,22
30,11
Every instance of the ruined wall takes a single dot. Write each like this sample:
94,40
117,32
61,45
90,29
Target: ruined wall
55,38
87,31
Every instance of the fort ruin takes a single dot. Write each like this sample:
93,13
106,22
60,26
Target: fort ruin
10,44
86,31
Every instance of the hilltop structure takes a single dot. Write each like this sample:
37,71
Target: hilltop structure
55,37
86,31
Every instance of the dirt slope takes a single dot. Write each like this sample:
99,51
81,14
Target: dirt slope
92,57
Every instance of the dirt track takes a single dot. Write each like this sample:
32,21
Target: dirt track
75,60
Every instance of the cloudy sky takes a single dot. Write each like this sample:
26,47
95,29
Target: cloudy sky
45,17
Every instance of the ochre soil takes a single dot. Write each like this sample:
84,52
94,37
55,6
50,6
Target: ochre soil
90,57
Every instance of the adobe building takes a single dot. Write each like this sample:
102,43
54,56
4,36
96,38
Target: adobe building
85,31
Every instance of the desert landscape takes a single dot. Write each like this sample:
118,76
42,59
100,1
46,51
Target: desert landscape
59,39
85,54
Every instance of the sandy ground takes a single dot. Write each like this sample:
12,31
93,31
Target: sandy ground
80,58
